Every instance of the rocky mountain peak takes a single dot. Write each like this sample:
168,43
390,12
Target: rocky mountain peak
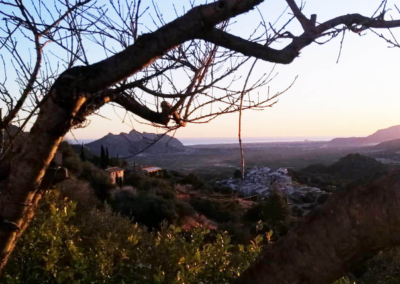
127,144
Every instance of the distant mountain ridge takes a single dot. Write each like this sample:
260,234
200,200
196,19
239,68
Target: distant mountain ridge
393,145
382,135
127,144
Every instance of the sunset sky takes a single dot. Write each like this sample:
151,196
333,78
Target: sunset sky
355,97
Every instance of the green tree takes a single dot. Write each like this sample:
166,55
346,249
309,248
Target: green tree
107,158
237,174
102,158
142,62
64,245
83,158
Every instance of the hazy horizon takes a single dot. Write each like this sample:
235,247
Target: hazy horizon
188,141
204,140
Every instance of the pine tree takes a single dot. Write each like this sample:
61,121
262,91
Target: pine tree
83,158
102,158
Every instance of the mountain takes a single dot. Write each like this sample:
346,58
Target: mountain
383,135
127,144
349,169
356,166
379,136
391,145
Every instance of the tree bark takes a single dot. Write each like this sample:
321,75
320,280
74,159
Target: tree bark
348,230
365,220
20,197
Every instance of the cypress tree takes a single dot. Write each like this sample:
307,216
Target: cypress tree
102,158
83,158
107,158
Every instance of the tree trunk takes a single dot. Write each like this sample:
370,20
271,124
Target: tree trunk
349,229
20,197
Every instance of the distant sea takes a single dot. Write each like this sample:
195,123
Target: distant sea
234,140
231,140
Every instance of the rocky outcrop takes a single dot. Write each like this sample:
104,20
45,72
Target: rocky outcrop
128,144
262,181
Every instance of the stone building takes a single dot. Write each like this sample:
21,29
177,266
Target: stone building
116,175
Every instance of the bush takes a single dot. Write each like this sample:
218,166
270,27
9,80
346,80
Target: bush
101,247
81,192
273,210
148,210
133,179
73,164
222,189
382,268
214,210
98,179
193,180
237,174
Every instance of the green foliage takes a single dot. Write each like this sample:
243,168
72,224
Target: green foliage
384,268
82,155
146,209
194,180
274,209
214,210
273,212
103,162
237,174
133,179
153,201
107,158
343,280
99,180
73,164
101,247
115,162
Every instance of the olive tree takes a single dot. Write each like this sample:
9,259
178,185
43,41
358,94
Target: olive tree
197,46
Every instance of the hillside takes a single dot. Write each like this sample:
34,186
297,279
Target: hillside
127,144
379,136
348,169
392,145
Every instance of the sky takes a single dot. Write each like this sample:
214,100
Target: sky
354,97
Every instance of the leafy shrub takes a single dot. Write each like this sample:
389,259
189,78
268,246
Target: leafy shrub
81,192
63,247
148,210
273,212
214,210
343,280
133,179
151,183
384,268
274,209
222,189
194,180
237,174
74,164
98,179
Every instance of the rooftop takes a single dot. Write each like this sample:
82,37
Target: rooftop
151,169
114,169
